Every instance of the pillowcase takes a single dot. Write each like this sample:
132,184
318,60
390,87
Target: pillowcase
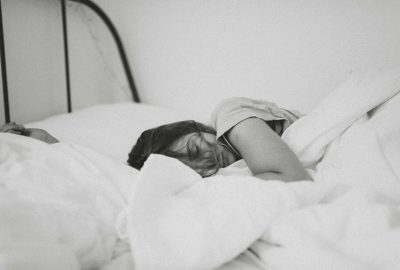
110,129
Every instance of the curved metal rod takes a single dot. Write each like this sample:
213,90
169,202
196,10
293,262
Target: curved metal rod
118,42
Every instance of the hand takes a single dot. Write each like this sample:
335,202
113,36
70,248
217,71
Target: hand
12,128
34,133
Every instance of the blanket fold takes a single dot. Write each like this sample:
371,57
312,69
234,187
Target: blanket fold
309,136
180,218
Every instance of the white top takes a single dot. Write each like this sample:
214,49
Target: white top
232,111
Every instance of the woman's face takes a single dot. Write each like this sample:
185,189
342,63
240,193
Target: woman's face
200,151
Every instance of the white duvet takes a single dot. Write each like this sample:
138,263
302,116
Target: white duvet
349,218
64,206
58,205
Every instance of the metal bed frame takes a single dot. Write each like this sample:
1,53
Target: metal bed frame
94,7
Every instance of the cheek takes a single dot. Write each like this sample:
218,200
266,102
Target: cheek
208,154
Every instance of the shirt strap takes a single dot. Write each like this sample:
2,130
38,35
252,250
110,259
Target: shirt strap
225,142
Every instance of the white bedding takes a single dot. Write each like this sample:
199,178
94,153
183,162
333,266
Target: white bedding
59,204
65,206
349,218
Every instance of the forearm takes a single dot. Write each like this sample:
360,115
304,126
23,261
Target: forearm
287,167
266,154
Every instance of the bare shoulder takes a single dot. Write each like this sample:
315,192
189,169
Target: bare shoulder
265,152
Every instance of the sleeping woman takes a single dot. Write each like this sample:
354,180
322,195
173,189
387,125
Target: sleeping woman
240,128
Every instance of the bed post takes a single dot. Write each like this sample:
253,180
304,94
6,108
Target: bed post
4,69
66,54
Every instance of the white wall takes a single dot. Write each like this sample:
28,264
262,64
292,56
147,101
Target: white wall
35,60
32,65
189,54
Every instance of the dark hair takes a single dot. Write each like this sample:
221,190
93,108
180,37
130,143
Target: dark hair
158,139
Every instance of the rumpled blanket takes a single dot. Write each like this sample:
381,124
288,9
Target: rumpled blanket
58,205
347,218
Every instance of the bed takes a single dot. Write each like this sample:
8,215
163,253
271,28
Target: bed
77,205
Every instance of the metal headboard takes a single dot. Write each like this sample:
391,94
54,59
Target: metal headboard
94,7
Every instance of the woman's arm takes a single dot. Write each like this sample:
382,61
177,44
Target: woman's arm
265,153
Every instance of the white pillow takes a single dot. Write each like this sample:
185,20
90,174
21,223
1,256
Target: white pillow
110,129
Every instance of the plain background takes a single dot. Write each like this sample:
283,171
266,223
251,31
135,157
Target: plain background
190,54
